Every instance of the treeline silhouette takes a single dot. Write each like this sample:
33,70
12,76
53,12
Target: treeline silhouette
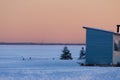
31,43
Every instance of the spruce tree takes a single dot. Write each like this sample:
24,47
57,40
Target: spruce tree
66,54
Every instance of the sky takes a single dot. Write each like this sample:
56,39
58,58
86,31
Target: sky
55,21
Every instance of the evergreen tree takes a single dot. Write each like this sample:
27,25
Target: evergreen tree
66,54
82,53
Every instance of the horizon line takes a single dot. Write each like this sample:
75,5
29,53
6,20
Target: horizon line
38,43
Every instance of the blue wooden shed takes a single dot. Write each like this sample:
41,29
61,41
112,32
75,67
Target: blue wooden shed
102,47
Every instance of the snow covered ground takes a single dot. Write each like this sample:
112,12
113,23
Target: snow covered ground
44,67
55,70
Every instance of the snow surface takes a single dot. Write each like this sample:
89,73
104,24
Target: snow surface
38,68
55,70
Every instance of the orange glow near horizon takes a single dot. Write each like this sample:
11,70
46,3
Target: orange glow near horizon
55,20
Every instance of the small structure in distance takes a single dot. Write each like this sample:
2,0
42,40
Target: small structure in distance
102,47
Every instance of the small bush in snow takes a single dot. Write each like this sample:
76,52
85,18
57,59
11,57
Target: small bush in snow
66,54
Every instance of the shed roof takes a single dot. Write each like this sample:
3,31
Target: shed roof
101,30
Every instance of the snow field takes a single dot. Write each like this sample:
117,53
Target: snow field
56,70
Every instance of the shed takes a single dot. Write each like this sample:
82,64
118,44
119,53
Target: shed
102,47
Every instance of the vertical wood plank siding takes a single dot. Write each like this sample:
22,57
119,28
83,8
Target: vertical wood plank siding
99,47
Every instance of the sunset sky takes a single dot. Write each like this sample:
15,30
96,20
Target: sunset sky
55,20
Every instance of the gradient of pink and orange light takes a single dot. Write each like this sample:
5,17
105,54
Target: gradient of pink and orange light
55,20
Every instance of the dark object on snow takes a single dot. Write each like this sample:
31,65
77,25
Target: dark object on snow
53,58
23,58
66,54
30,58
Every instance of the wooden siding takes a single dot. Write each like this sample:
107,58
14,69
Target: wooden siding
99,47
